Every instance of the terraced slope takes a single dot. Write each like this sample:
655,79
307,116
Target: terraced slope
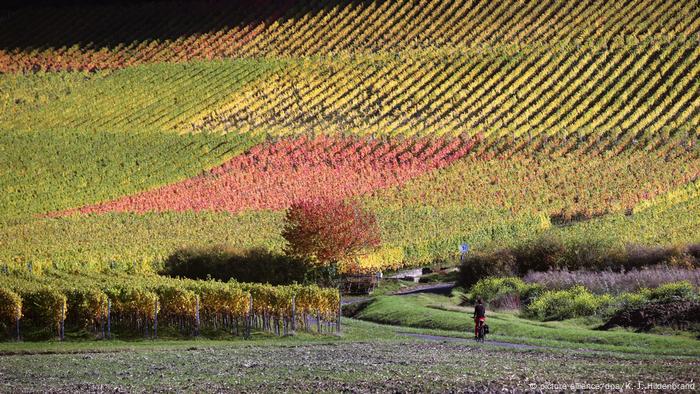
638,89
633,92
146,127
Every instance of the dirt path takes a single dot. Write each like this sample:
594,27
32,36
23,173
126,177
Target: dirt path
441,338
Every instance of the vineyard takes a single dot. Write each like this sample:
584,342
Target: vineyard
277,175
111,36
102,304
148,127
633,92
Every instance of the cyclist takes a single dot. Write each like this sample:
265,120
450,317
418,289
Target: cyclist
479,316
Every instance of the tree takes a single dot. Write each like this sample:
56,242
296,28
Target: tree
328,232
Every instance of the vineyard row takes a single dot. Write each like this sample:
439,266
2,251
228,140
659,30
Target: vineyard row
143,305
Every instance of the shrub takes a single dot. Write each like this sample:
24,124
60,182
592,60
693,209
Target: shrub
683,260
694,251
625,301
578,301
477,266
679,314
672,292
45,306
491,289
567,304
10,307
502,293
638,256
550,253
540,254
530,292
87,307
225,263
593,254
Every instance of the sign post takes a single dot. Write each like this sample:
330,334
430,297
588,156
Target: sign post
463,250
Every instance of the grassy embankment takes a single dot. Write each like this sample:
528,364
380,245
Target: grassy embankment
441,313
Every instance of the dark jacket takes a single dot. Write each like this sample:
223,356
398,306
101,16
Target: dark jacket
479,311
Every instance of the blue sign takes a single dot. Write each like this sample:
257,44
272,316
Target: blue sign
464,247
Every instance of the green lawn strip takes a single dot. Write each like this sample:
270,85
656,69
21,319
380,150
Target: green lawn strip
421,311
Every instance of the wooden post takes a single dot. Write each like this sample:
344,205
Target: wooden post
294,315
318,320
17,323
196,316
340,314
249,318
155,321
61,327
109,319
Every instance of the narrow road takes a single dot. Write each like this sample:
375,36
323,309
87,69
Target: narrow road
354,300
438,288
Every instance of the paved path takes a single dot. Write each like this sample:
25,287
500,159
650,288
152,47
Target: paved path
439,288
354,300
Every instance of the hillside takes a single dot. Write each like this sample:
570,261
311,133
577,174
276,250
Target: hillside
128,130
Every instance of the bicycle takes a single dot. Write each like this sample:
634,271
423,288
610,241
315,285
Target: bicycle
482,330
